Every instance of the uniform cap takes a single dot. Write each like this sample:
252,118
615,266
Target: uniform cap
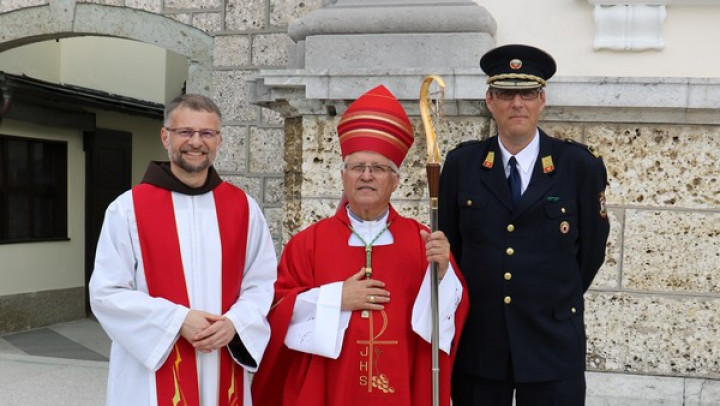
517,67
376,122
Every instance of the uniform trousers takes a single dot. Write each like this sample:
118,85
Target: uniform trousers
471,390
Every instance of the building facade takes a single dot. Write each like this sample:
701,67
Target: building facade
637,80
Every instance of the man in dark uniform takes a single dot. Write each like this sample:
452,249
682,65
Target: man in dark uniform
526,219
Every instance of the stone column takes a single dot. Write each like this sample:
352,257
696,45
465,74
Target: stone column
392,34
347,45
342,50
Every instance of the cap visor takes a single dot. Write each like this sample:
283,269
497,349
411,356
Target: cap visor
508,84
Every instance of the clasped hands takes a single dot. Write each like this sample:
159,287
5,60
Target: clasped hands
207,332
361,293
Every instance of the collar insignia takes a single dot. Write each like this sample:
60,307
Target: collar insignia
547,164
489,159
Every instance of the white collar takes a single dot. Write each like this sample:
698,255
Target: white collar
526,157
369,229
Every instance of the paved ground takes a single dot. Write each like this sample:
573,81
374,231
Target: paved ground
66,365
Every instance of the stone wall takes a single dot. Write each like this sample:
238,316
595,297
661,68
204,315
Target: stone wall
654,308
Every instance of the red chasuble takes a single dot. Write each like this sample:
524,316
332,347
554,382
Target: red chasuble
383,361
177,380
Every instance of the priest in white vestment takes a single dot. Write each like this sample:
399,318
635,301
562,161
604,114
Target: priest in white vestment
183,276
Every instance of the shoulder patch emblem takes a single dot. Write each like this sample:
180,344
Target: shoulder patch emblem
603,205
593,151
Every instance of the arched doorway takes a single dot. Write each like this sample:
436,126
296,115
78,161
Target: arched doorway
93,131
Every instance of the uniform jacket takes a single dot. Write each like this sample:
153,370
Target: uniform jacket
526,269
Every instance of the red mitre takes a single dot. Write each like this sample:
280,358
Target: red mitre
376,122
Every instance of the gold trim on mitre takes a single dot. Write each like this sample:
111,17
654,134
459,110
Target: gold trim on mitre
387,118
372,133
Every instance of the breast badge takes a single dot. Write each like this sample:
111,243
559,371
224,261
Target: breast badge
564,227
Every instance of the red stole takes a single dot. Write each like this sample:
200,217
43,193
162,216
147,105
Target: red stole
177,380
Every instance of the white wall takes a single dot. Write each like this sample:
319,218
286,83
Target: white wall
566,29
51,265
40,60
116,66
113,65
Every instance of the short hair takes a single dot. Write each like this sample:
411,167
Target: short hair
195,102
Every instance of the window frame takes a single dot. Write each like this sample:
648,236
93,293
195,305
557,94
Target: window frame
52,167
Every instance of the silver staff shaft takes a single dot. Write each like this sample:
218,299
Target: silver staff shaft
433,172
434,282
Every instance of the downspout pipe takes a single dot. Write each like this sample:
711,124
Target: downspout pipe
6,96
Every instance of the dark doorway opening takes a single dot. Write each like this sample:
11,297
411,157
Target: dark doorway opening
108,172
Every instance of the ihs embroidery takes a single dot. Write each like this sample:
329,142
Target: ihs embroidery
371,374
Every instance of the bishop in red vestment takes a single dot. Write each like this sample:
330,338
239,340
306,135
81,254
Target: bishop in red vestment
351,321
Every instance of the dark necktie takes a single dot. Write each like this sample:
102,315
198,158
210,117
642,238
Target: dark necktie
514,182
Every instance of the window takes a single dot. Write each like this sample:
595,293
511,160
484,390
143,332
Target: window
33,189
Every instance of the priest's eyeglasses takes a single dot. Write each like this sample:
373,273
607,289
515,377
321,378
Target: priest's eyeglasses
509,94
375,169
184,132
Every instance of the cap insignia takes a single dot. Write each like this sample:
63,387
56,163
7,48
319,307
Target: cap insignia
515,64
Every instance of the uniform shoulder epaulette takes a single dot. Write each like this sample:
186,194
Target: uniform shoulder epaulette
466,143
583,146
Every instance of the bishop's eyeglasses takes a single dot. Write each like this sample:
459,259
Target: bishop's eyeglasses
375,169
184,132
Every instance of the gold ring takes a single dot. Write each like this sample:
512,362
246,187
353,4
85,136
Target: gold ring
372,299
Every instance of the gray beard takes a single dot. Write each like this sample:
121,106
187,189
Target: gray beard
185,166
